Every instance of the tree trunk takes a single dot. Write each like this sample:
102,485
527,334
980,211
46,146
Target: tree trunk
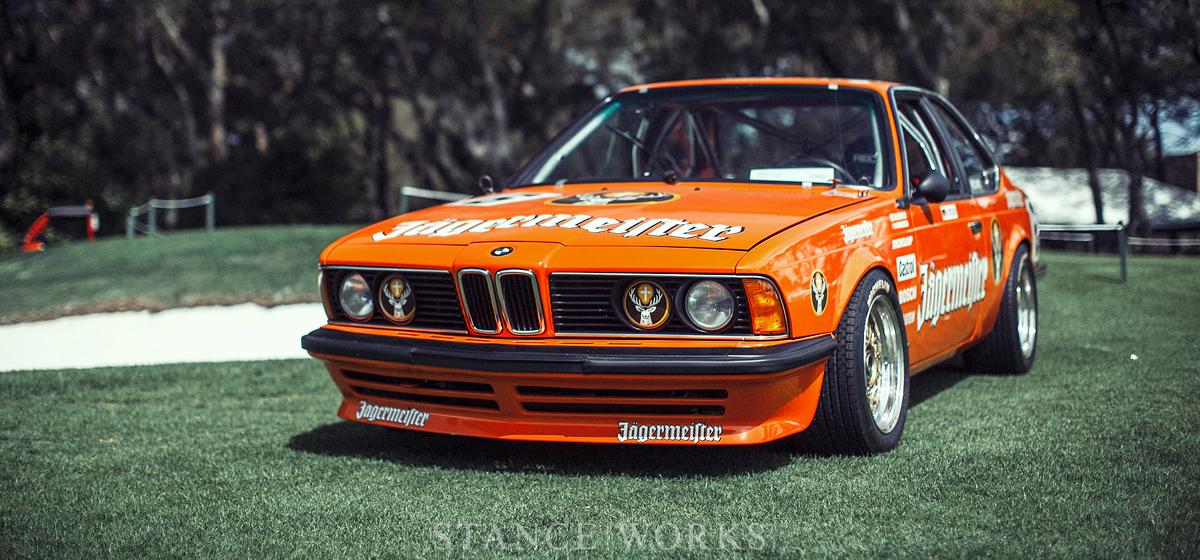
928,69
499,153
1134,165
218,79
20,86
1138,225
167,64
1088,152
186,111
1159,165
383,168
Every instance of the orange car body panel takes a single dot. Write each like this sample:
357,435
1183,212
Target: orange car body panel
786,233
761,408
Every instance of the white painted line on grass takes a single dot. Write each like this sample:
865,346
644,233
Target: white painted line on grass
199,334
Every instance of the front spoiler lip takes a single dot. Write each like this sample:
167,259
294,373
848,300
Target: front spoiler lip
502,358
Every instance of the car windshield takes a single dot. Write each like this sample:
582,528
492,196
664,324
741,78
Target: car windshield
789,134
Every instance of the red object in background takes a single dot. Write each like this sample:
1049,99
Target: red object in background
91,220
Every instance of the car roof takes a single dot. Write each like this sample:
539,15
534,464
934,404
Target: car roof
877,85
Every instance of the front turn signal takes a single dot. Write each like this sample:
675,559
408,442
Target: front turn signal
766,307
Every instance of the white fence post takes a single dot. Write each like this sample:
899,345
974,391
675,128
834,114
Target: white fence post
210,212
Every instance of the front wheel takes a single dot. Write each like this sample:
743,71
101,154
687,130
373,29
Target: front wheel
1012,344
864,395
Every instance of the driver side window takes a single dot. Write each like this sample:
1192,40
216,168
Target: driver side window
922,152
918,155
978,166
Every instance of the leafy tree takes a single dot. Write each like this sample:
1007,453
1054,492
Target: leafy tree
319,110
1136,62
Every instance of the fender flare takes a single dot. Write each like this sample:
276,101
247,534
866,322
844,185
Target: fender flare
1018,235
861,261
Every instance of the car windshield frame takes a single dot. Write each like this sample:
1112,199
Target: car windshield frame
710,127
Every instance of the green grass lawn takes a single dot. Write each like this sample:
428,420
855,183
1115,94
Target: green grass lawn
1093,454
266,265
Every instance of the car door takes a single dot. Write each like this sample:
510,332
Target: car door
982,173
941,280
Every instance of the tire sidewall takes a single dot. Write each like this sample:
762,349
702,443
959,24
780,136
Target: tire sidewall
875,284
1021,261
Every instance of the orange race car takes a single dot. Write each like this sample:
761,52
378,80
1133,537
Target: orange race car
703,262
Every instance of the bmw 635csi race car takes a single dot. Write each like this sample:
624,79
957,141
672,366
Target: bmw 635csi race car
716,262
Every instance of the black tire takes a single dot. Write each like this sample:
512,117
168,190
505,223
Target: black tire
1012,344
871,340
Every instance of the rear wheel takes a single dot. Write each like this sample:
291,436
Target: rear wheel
1012,344
864,395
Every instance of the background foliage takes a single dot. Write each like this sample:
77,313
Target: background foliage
319,110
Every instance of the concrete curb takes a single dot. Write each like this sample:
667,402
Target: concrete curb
200,334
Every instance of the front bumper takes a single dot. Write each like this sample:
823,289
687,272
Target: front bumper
614,392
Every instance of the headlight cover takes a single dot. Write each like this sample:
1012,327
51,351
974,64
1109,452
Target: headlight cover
709,305
355,297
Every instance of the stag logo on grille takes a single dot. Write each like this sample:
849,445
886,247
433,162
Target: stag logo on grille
646,305
396,299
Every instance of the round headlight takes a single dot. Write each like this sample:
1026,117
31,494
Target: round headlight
356,297
709,305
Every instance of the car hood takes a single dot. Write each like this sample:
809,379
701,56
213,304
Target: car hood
735,217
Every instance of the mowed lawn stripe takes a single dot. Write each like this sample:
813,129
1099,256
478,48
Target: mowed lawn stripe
268,265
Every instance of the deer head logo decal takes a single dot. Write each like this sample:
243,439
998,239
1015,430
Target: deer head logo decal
997,252
819,290
646,305
396,299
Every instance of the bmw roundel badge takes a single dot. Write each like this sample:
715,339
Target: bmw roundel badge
501,251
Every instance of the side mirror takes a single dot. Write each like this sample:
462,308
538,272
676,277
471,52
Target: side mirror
933,186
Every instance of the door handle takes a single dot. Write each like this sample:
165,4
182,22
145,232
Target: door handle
976,227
